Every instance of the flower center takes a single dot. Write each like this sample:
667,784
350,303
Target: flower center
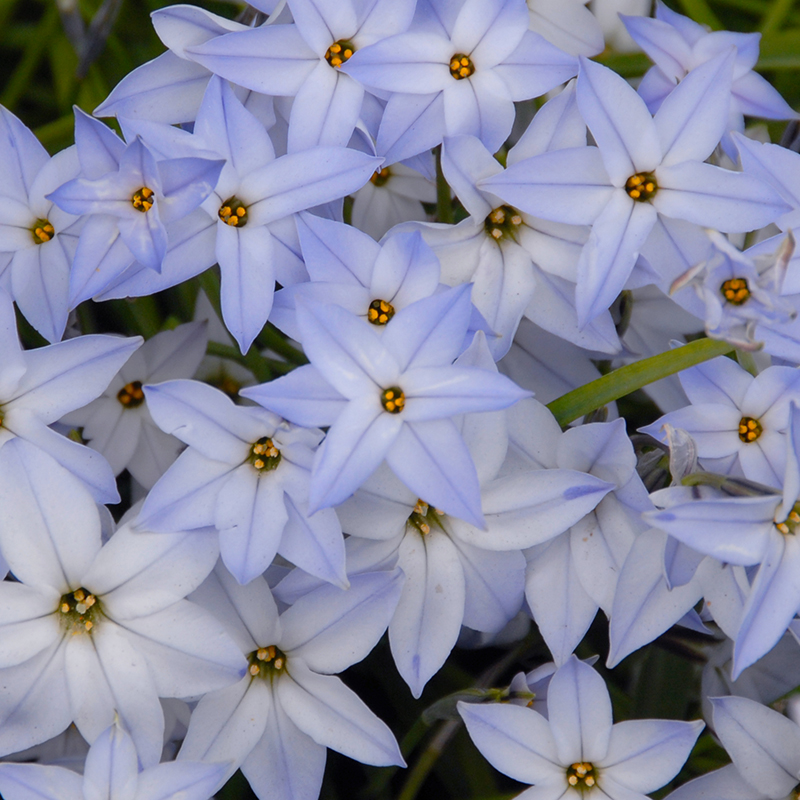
423,516
380,312
641,186
339,52
461,66
79,611
233,212
789,525
749,429
381,177
736,291
581,775
393,399
131,394
42,231
264,456
143,199
503,222
266,662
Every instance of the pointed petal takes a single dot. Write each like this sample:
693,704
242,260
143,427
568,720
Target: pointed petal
332,715
763,744
250,515
314,543
578,699
645,754
560,605
514,741
227,724
248,280
285,762
204,418
271,59
299,181
51,529
569,185
617,237
717,198
352,450
773,601
64,376
325,110
184,497
693,118
303,397
432,459
619,121
644,606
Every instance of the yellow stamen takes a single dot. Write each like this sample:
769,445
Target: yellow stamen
461,66
641,186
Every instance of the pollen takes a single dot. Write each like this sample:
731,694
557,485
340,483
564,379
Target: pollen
735,291
131,394
381,177
339,52
380,312
581,775
749,429
789,526
233,212
461,66
79,611
264,456
502,223
641,187
143,199
393,399
42,231
266,662
424,517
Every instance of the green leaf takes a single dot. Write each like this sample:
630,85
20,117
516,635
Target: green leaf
627,379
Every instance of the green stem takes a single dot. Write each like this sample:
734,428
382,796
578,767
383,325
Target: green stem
444,203
776,15
627,379
145,314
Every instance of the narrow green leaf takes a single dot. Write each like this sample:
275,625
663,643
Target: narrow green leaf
627,379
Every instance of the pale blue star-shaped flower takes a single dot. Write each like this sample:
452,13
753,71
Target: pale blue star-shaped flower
245,472
576,751
37,239
129,196
390,396
458,72
277,722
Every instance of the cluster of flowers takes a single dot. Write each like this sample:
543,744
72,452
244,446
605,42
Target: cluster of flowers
398,478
